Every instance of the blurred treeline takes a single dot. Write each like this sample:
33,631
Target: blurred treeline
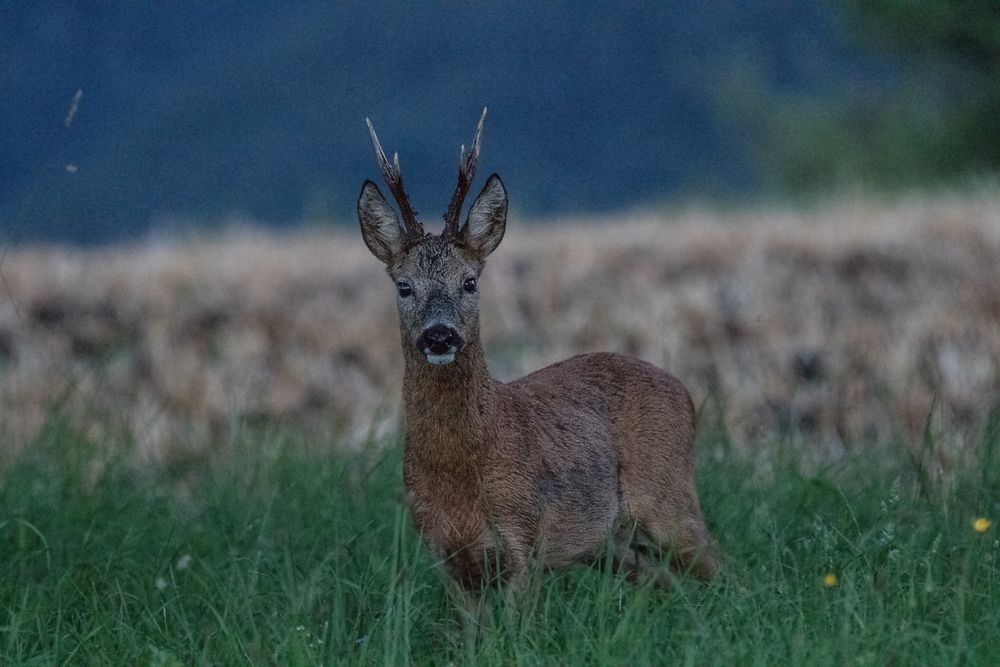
937,119
231,109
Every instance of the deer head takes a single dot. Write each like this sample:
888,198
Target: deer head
436,277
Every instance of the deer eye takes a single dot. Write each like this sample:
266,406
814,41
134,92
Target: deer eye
404,288
470,285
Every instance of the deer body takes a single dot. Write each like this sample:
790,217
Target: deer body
545,469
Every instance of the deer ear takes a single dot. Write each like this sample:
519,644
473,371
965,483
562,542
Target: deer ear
379,224
483,229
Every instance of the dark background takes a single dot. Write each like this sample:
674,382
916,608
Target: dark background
192,114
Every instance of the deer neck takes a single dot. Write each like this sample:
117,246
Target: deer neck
447,407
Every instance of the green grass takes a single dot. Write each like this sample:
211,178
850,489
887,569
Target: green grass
300,558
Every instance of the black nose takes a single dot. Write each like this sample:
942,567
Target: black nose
440,339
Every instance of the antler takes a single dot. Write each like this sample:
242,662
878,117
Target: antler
393,177
466,172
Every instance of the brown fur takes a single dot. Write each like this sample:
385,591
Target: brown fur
545,469
551,465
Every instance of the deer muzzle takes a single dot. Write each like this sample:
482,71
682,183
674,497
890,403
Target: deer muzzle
440,343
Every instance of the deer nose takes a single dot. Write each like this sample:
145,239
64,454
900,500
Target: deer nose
440,339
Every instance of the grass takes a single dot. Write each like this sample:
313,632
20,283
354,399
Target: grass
276,554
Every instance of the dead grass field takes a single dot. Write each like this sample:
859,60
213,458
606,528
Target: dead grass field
840,326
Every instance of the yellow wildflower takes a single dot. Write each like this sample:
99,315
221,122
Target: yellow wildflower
830,580
981,524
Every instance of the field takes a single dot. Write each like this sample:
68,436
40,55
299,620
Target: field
200,443
845,324
285,557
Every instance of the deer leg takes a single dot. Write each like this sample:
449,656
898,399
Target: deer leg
631,555
469,610
520,589
680,532
474,573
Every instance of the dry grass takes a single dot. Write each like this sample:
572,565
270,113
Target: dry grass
843,325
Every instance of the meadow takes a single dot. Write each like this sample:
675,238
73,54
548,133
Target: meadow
200,441
278,555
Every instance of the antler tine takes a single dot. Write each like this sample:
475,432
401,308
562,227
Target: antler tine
467,164
393,177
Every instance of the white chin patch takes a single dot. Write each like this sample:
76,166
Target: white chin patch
441,359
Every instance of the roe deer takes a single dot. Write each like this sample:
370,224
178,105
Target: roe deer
541,470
